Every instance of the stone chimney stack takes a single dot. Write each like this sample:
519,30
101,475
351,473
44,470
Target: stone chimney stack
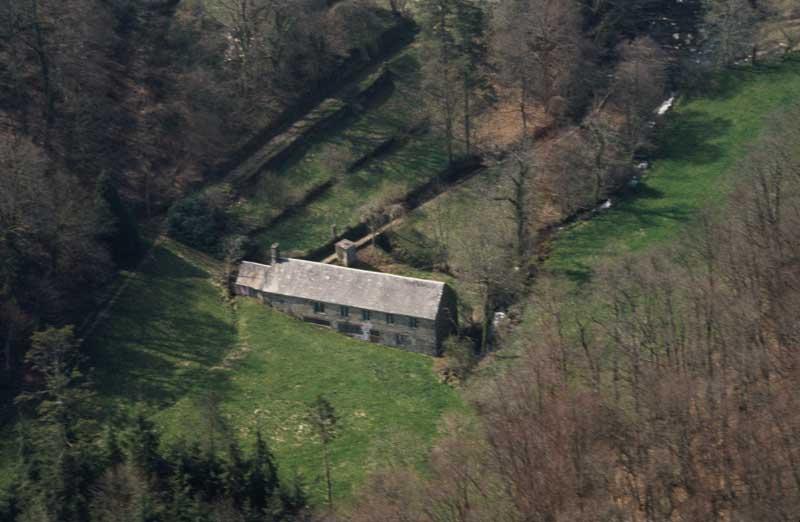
346,252
275,253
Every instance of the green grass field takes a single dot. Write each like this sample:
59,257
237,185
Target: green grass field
388,401
699,145
173,346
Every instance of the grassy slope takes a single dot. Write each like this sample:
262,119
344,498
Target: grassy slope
388,401
392,175
701,141
166,332
172,343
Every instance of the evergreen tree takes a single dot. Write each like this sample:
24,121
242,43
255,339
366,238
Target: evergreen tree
235,475
63,402
26,453
294,498
454,51
263,478
185,505
439,67
118,228
470,27
59,464
9,503
210,479
111,447
143,442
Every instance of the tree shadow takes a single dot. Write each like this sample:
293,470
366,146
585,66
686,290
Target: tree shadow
628,219
732,81
689,137
162,344
639,191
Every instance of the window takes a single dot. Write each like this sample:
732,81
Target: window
314,320
344,311
319,308
365,315
390,318
412,322
400,339
375,336
349,328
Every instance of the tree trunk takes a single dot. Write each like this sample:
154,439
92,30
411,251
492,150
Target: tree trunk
147,202
449,135
44,65
486,322
467,117
7,346
523,107
521,214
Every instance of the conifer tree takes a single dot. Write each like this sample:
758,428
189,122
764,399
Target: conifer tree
471,43
114,455
263,478
143,442
185,505
293,497
454,52
235,475
439,71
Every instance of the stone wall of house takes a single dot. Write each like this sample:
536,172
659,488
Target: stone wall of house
399,334
447,317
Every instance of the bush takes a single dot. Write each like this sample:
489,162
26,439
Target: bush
459,359
415,249
195,222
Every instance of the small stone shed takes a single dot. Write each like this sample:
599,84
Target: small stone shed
404,312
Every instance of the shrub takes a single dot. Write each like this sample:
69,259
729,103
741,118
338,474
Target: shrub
195,222
459,359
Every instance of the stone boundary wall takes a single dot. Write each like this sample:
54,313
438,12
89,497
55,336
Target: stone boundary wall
391,41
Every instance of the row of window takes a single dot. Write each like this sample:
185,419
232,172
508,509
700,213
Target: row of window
354,329
366,315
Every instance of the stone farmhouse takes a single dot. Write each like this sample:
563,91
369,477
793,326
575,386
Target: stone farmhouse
403,312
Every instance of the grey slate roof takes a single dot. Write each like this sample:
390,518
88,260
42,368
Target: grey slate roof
377,291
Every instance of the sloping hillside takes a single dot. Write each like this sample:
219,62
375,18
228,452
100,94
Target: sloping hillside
699,146
203,367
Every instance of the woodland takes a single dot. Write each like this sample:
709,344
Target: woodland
612,187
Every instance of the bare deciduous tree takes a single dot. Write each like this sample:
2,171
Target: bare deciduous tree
537,46
731,27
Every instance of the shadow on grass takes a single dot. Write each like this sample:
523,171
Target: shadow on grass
167,334
734,80
413,163
628,219
689,137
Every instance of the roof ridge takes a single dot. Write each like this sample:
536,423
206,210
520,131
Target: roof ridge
362,270
254,263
